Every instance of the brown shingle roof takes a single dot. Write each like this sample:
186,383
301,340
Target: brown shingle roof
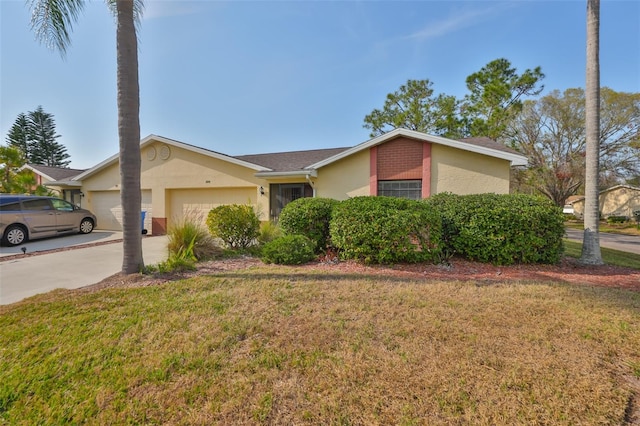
56,173
489,143
290,161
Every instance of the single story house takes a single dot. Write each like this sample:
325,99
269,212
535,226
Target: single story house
45,175
619,200
180,179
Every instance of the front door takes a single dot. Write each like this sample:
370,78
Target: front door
284,193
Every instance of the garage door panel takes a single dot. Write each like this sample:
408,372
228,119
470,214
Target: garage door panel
107,207
195,204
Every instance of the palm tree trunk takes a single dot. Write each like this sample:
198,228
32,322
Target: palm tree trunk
591,240
129,136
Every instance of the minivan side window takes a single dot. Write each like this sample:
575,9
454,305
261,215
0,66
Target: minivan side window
42,204
11,207
62,205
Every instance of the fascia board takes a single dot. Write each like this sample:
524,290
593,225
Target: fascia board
63,183
154,138
515,159
302,173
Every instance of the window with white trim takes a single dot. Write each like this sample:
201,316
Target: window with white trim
411,189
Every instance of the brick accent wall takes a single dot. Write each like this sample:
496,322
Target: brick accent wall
400,159
159,225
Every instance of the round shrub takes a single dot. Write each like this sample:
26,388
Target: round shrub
309,217
237,225
288,250
386,230
501,229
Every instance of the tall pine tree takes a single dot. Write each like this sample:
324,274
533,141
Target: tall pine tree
44,149
18,136
34,135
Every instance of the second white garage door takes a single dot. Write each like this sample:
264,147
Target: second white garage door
196,204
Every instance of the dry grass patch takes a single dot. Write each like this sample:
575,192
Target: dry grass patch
278,345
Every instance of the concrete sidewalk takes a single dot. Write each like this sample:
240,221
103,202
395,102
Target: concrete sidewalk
27,276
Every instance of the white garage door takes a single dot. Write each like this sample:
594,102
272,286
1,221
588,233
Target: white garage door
195,204
108,209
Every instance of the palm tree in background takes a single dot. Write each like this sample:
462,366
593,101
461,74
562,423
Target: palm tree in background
52,21
591,240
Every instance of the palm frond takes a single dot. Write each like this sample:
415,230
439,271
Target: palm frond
52,21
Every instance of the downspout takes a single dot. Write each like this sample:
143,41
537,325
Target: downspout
313,188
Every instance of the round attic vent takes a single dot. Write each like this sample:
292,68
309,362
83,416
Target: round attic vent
165,152
151,154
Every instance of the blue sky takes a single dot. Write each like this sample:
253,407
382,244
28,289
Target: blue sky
246,77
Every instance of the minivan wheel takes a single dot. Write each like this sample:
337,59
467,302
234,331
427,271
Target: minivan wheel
14,235
86,226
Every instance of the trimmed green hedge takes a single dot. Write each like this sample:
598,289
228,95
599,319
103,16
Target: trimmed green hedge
501,229
386,230
309,217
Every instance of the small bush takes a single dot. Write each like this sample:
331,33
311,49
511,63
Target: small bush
386,230
190,240
309,217
237,225
289,250
501,229
617,219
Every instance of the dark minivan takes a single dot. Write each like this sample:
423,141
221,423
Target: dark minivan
28,217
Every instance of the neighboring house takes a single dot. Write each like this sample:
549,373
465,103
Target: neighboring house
45,175
619,200
179,179
568,204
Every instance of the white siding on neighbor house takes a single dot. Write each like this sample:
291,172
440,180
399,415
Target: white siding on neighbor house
108,209
196,203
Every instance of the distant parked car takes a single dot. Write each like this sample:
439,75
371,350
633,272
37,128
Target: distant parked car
29,217
568,209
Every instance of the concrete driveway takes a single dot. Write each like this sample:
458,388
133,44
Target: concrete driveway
628,243
26,276
71,240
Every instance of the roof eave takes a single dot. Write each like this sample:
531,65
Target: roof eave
515,159
289,174
155,138
71,183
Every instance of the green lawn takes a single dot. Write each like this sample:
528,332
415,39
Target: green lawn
627,228
609,256
280,345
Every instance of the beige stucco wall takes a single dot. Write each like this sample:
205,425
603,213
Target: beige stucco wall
464,172
345,178
620,202
452,170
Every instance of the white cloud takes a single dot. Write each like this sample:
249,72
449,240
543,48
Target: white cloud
454,23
